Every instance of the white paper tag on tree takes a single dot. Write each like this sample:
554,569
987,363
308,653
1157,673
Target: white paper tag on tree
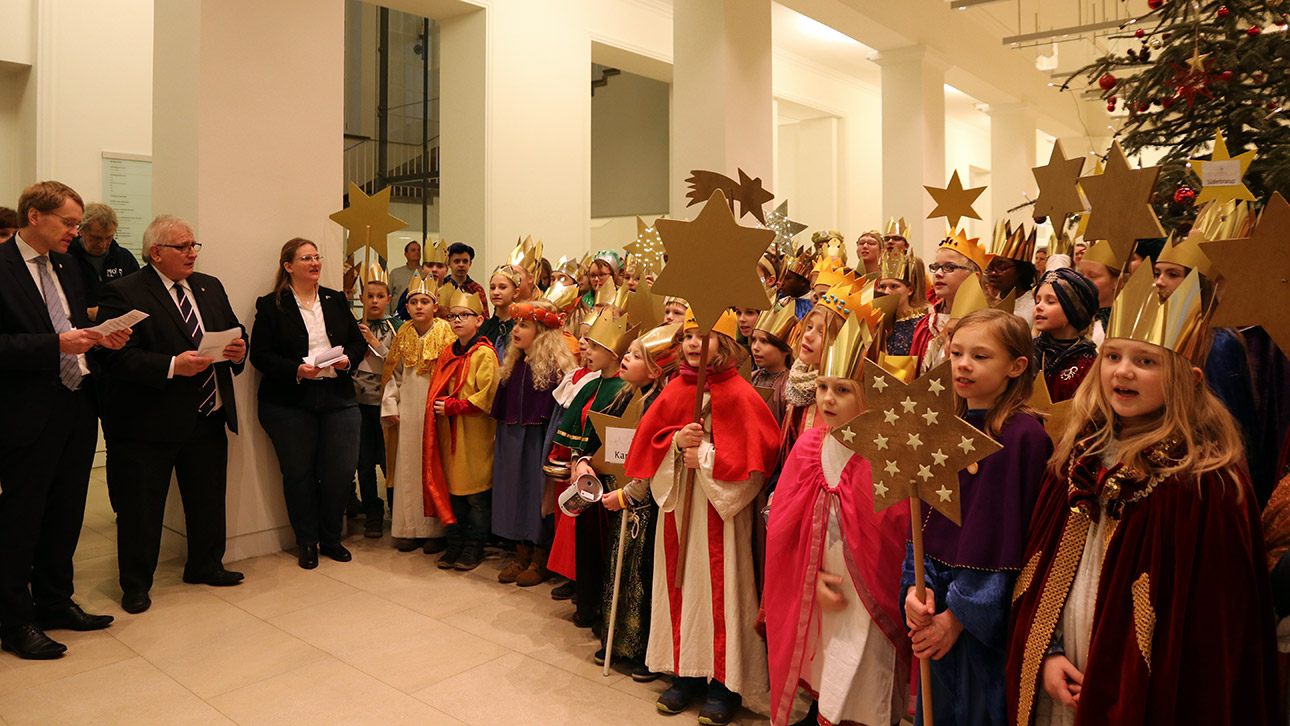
1221,173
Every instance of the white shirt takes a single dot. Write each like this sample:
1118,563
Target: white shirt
29,255
169,284
316,326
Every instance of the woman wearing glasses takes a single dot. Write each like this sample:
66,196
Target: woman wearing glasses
307,403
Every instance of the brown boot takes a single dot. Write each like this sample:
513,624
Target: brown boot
523,556
536,572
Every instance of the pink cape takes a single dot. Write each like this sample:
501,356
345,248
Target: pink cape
875,549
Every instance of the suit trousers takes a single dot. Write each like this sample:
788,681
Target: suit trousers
42,505
318,454
140,472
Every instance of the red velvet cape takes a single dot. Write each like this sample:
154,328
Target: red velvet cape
795,547
744,431
1208,659
449,376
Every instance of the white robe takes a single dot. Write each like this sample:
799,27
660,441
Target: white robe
717,637
405,397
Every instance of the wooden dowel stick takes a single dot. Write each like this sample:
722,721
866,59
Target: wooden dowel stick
920,575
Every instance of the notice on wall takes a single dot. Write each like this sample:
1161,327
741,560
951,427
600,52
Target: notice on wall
127,189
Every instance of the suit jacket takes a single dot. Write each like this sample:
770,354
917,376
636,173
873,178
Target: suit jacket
279,343
139,402
29,383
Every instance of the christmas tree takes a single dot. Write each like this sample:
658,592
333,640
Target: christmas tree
1203,68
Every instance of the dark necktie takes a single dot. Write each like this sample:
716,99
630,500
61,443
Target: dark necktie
195,330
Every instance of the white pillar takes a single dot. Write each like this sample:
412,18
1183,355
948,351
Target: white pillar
463,197
1012,156
722,110
247,124
913,139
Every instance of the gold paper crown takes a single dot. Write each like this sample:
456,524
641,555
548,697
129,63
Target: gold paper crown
420,285
638,306
801,262
563,295
509,272
632,265
897,265
845,354
766,267
661,344
1106,253
668,300
527,256
435,254
611,332
848,299
1012,244
460,299
1060,244
897,228
969,298
969,248
777,322
607,293
727,324
830,272
833,246
1186,253
1177,324
375,273
567,266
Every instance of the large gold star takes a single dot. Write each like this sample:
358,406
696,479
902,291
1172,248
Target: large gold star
1058,186
1256,271
615,434
923,455
368,220
1058,413
712,262
1220,163
647,248
1121,203
954,202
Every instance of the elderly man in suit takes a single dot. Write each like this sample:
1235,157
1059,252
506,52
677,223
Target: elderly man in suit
49,425
166,406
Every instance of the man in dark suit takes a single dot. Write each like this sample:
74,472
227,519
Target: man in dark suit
165,408
49,426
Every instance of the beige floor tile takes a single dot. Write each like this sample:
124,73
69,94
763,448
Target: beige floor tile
209,645
275,585
413,579
327,692
401,648
132,691
93,544
85,652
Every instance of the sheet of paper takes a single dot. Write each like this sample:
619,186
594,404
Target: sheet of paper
326,358
214,342
122,322
617,443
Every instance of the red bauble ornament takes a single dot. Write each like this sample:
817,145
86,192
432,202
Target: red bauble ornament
1153,4
1107,82
1144,106
1253,30
1110,106
1184,195
1223,11
1139,33
1227,76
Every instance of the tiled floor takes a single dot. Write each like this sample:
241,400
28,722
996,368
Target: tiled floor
386,639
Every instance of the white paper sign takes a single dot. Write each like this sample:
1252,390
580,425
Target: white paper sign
121,322
127,188
1221,173
214,342
617,442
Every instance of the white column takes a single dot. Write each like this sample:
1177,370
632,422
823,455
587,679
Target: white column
722,110
1012,156
247,126
463,196
913,139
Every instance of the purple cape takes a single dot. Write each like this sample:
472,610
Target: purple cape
519,402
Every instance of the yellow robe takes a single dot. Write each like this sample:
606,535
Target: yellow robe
466,441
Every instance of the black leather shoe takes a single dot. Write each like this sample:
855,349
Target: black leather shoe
336,552
308,557
30,642
218,578
135,602
70,617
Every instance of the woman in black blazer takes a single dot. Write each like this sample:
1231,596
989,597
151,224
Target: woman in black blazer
309,412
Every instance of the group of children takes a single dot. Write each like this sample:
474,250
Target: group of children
1114,573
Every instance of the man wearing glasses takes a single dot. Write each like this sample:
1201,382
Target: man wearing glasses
99,256
167,400
49,427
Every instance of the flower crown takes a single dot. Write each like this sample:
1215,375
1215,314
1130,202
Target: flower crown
525,311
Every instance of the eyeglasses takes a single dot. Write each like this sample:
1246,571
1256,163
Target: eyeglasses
948,268
189,248
598,275
310,258
460,316
68,222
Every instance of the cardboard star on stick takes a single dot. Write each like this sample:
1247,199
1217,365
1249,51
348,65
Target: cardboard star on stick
616,434
1058,182
912,439
647,248
1120,201
954,202
1058,413
1221,175
713,245
785,228
1257,274
368,220
747,191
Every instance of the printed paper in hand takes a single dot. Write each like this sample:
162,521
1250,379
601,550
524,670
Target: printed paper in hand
122,322
326,358
214,342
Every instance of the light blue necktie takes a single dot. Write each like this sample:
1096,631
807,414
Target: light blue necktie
69,368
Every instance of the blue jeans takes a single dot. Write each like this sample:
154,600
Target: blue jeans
474,513
318,454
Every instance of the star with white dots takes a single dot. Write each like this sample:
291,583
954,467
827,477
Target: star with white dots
892,468
909,404
880,383
944,493
890,416
930,417
966,445
914,441
880,441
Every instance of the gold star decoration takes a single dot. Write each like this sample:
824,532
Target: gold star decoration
713,244
1221,167
920,454
1057,413
954,202
647,248
785,229
1120,199
1058,182
1257,274
616,434
368,220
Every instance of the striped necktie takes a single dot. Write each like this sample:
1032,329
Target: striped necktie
69,367
195,330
